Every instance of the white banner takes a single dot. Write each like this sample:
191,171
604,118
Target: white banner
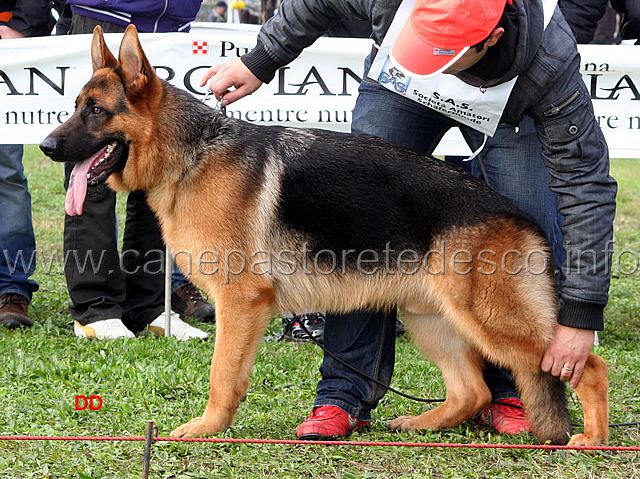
41,77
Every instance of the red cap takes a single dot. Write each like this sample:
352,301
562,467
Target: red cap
438,32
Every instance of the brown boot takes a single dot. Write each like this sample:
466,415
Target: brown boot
14,311
187,301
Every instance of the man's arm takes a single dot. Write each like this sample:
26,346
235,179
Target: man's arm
225,76
31,18
576,155
567,353
7,32
297,25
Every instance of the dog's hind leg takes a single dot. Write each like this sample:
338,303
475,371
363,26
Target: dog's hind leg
592,392
461,366
544,398
243,315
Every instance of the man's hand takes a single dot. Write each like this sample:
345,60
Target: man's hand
8,32
228,75
567,353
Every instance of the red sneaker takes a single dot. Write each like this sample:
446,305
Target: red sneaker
505,419
326,422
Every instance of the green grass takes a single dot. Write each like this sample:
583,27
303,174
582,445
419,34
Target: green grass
45,367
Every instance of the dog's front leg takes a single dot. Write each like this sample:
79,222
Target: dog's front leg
243,314
593,394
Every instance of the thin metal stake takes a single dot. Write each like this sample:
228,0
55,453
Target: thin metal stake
148,441
168,269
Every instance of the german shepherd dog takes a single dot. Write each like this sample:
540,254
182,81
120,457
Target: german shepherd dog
311,220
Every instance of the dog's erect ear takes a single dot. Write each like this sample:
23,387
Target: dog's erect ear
101,56
135,67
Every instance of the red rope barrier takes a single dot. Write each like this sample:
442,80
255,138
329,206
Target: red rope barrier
324,443
70,438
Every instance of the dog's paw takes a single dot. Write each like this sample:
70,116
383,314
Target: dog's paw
583,440
197,427
191,429
403,423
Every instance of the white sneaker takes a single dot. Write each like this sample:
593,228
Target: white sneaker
179,329
105,329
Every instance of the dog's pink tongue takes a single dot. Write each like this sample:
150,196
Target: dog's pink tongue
77,191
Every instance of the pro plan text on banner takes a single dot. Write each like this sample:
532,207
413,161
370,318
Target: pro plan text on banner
41,77
478,107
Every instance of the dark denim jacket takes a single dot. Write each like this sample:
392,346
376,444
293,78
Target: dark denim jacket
549,89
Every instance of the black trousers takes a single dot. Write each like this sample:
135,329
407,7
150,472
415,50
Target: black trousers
102,283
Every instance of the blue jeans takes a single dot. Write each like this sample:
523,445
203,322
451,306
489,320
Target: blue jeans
17,241
366,340
511,164
178,280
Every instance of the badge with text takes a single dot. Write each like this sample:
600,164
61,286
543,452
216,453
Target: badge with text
407,65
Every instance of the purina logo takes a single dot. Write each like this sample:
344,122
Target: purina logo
200,47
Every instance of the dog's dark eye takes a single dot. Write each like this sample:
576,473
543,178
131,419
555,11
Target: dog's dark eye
97,110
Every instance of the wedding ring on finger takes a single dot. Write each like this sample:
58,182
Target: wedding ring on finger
567,369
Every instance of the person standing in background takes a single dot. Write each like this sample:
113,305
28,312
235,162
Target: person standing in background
121,297
18,19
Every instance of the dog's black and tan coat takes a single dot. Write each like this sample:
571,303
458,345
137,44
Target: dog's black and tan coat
270,218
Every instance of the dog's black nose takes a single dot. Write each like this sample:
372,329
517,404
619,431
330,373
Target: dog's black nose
49,146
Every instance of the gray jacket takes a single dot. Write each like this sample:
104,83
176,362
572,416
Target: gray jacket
549,89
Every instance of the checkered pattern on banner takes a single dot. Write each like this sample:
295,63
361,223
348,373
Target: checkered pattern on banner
200,47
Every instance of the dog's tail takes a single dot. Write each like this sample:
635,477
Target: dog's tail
545,401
